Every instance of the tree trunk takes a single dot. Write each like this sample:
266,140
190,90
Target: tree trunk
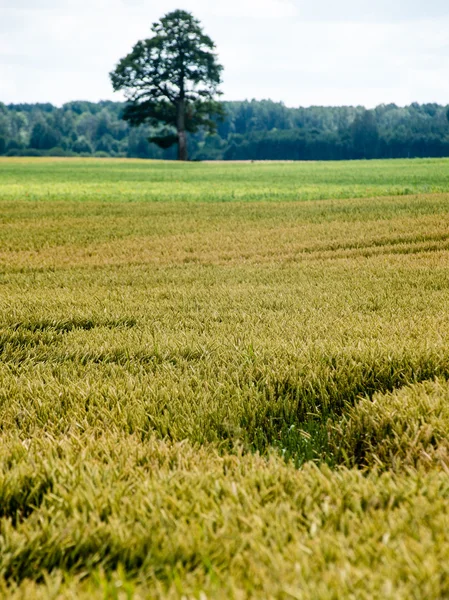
181,127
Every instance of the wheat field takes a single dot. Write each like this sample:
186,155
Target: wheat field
224,380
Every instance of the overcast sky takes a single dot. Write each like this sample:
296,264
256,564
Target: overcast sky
301,52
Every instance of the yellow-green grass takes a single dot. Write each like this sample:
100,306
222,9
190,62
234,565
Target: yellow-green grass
133,180
407,427
85,513
224,380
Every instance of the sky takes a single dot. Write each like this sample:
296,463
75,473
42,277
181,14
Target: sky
300,52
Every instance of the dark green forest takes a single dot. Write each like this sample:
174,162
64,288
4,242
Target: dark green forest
251,130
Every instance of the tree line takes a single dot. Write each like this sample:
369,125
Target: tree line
249,130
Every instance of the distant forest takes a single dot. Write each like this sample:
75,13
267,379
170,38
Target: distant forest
255,130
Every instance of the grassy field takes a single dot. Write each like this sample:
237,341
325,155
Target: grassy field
224,380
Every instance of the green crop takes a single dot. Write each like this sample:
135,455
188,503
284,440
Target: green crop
224,380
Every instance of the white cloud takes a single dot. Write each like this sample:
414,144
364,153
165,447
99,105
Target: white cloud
369,11
325,52
254,9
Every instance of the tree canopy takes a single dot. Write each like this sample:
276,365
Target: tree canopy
171,81
258,130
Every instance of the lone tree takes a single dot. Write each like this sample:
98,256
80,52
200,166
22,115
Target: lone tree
170,81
